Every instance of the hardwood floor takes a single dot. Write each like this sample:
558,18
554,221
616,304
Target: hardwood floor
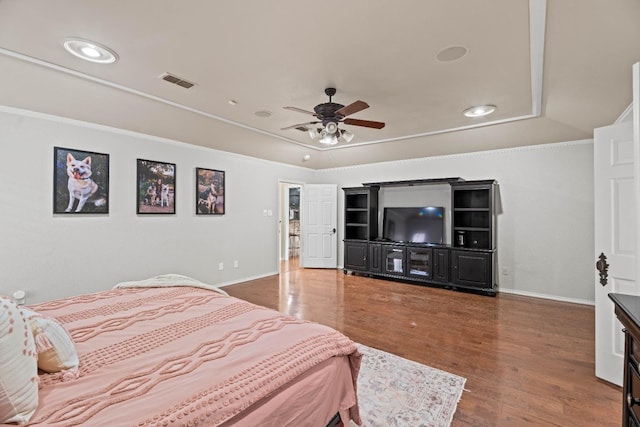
528,361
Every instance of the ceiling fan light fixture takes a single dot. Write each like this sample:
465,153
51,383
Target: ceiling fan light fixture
90,51
313,133
347,136
328,138
330,114
479,110
331,127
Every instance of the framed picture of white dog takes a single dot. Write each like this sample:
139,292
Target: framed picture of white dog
80,182
156,187
209,192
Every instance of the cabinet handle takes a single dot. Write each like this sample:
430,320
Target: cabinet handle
632,400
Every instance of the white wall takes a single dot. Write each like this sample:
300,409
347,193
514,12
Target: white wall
52,256
545,228
545,224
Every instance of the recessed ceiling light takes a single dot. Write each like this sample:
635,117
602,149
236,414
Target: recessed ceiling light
233,102
306,158
452,53
263,113
479,110
90,51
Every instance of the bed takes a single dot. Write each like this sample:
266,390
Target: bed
171,351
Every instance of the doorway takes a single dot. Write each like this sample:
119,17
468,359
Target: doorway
307,224
294,223
289,222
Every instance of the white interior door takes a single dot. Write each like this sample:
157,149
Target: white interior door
617,230
615,237
319,216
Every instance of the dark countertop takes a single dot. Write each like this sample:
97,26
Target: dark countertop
629,304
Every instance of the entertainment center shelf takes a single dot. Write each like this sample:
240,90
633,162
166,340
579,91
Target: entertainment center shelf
467,262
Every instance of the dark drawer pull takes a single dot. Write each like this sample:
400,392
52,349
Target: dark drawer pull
632,400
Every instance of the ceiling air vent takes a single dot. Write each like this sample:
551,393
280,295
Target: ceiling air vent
177,80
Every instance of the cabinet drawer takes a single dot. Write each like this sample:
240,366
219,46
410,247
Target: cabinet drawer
633,394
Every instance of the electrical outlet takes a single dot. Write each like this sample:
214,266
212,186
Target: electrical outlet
505,271
221,266
235,264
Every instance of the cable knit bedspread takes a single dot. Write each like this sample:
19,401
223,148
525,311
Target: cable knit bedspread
186,356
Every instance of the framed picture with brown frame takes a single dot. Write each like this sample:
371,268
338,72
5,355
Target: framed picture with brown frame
210,192
80,182
156,187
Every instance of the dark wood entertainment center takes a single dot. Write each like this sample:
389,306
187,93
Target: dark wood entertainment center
468,262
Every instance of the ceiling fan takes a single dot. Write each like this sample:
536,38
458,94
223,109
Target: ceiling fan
330,114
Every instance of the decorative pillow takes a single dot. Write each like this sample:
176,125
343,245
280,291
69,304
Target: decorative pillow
169,280
55,348
18,366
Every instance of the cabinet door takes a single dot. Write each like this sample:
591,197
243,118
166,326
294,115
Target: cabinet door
419,263
471,268
375,258
355,256
440,271
393,260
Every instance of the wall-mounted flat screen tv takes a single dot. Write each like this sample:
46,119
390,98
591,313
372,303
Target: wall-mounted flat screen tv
414,225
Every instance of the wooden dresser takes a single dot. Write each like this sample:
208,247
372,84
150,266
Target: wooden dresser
627,309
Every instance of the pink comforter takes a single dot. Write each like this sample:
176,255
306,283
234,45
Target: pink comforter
189,356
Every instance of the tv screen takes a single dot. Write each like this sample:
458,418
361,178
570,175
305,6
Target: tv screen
414,225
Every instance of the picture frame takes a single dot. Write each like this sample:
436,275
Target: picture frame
80,181
155,187
210,192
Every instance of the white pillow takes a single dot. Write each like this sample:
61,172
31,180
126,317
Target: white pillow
55,348
18,366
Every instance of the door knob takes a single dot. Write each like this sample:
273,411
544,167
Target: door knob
603,268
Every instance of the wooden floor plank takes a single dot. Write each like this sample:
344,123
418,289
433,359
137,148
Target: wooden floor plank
528,361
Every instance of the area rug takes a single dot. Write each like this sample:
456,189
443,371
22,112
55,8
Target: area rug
393,391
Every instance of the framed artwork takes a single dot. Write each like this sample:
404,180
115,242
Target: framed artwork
156,187
209,192
80,182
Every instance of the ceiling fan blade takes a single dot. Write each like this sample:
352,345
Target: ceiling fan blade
352,108
300,125
299,110
364,123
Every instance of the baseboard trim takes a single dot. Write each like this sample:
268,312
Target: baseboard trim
247,279
546,296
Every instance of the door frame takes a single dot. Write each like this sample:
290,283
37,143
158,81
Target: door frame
636,150
283,216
